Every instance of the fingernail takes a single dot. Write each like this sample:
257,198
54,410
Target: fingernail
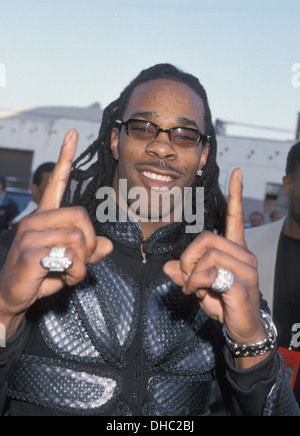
239,175
185,277
68,136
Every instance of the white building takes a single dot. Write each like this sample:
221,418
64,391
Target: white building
263,164
31,137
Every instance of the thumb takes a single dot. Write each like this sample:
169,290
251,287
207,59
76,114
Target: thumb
103,249
173,271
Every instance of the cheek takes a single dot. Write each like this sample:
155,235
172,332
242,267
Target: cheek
128,155
190,162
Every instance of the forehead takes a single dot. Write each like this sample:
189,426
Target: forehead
166,99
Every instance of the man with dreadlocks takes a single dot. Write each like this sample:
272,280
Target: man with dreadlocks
137,318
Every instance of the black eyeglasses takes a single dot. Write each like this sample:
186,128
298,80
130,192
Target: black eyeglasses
184,137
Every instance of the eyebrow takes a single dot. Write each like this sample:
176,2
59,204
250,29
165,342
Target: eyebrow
153,115
187,122
147,115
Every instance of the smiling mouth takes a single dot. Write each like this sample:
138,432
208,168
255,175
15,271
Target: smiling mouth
158,177
158,182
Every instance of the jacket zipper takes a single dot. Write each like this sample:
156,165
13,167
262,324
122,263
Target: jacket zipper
139,357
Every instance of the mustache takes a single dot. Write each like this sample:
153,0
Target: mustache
161,165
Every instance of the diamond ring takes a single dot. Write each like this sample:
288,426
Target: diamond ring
56,261
223,282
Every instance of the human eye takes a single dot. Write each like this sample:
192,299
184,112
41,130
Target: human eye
185,136
142,128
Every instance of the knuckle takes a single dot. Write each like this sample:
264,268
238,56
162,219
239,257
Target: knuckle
80,213
25,223
77,237
252,259
212,252
205,237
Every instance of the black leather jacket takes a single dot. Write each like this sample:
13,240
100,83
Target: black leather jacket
127,341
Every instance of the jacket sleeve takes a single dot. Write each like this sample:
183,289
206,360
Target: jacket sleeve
260,391
9,355
263,390
281,400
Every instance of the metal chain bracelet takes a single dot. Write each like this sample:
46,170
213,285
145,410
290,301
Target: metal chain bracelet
260,348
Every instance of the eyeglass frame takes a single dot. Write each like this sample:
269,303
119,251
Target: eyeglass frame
202,137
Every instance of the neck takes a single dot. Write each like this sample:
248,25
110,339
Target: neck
291,228
149,227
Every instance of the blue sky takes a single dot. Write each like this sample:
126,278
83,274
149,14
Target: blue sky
77,52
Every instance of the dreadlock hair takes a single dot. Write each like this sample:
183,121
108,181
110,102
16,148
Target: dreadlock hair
102,165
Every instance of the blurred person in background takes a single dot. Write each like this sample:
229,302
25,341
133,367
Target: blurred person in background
256,219
8,208
39,183
277,248
275,216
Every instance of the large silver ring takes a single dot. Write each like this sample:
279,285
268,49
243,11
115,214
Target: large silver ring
56,261
223,282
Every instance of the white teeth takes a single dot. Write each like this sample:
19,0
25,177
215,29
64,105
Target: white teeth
158,177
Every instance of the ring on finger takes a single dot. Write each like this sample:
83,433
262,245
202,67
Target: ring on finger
56,261
223,282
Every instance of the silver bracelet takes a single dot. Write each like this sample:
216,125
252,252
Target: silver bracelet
260,348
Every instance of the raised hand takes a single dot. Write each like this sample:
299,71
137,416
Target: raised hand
23,280
239,308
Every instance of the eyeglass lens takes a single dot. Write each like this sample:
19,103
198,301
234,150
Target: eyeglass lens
143,130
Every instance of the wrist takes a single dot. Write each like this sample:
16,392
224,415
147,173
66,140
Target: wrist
11,324
251,353
249,362
11,321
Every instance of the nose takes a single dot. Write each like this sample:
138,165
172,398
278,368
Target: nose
161,147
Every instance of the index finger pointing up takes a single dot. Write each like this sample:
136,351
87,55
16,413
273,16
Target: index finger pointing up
55,189
235,213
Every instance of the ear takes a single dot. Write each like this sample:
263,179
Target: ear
204,156
114,143
287,183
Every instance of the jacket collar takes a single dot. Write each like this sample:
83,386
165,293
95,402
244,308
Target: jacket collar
129,234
